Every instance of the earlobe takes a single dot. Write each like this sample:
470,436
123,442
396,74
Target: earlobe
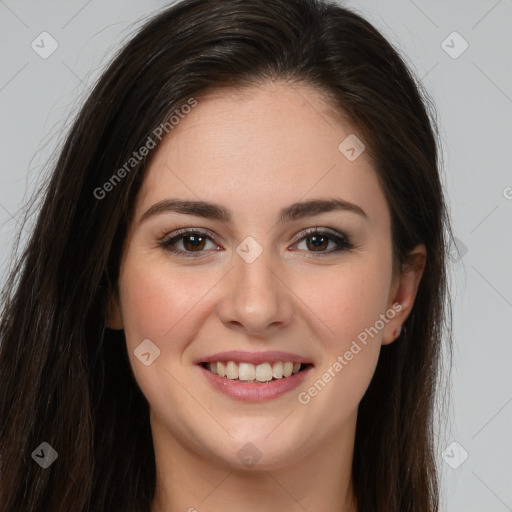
397,332
404,290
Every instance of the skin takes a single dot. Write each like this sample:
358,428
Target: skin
256,151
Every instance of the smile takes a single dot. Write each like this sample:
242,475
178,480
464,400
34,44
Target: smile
254,377
255,374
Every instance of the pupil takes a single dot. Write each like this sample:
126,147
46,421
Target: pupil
194,241
317,241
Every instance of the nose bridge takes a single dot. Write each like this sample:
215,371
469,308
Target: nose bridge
257,277
255,296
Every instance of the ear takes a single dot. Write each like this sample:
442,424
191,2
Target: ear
113,313
403,291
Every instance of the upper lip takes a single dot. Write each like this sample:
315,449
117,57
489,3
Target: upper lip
239,356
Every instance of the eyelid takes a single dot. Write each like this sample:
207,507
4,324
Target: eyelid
183,231
318,229
343,241
178,234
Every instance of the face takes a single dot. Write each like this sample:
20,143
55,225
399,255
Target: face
253,282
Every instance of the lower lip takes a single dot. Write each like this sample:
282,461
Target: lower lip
254,392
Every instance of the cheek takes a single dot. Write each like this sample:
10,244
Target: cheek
158,301
348,365
347,304
161,304
345,300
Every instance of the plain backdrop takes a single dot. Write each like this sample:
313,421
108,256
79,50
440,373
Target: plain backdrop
461,51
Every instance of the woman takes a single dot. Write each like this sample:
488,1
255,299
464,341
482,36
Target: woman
234,294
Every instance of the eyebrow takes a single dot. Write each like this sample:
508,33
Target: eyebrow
214,211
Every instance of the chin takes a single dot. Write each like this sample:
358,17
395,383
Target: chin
259,452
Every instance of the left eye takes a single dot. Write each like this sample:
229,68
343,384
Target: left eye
317,241
194,243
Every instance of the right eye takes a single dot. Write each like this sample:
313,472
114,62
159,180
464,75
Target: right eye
192,241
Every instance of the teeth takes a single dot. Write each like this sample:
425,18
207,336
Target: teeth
277,370
248,372
264,372
232,370
287,369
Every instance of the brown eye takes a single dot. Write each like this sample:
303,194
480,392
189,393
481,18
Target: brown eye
317,241
189,243
194,242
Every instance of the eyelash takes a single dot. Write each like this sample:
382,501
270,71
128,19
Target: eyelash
343,241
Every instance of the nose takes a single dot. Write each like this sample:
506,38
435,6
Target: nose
255,297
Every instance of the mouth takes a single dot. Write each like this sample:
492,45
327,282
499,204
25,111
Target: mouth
254,377
249,373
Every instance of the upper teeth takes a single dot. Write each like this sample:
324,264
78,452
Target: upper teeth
248,371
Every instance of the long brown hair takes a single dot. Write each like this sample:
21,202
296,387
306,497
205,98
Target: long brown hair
65,379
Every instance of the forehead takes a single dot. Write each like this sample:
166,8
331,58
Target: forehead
260,146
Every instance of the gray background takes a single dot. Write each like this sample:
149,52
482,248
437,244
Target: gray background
473,95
